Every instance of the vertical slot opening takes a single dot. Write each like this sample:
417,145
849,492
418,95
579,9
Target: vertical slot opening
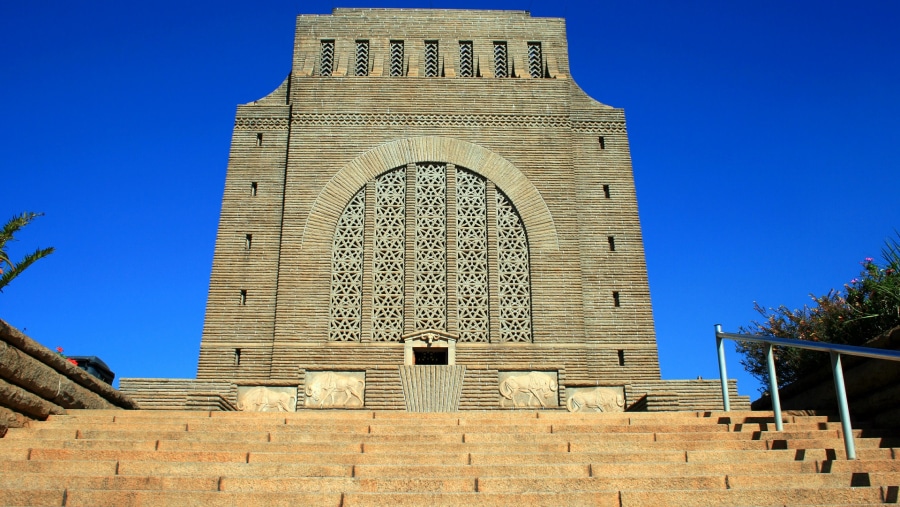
621,357
248,241
259,138
602,142
617,302
606,191
612,243
244,297
237,357
253,188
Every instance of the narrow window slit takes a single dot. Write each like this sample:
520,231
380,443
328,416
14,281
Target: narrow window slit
602,142
237,357
612,243
259,138
243,297
621,357
326,64
535,60
253,188
432,63
248,241
606,191
501,67
362,58
616,300
396,58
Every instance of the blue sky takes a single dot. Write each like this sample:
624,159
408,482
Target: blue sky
764,140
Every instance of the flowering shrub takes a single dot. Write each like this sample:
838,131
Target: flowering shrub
867,306
59,350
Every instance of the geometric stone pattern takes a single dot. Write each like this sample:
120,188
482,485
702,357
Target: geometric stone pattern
466,68
500,62
431,58
515,285
535,60
396,58
388,267
429,265
431,247
471,257
346,272
327,65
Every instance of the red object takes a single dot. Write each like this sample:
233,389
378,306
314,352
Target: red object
59,349
72,361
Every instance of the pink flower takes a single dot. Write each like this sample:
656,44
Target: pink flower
854,280
59,349
869,259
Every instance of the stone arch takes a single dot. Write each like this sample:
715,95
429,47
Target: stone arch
330,203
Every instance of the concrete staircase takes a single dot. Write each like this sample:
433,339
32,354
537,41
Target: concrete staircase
350,458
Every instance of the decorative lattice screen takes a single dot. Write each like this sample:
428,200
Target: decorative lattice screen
474,291
431,247
396,58
362,58
388,256
471,257
535,60
326,66
466,66
431,58
346,271
501,69
512,266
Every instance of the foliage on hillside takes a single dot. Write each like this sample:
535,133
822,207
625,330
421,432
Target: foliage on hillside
866,307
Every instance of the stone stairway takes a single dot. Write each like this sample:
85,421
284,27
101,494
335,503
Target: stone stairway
351,458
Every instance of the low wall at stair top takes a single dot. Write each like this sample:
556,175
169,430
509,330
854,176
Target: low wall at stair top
36,382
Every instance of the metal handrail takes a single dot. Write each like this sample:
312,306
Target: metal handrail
834,349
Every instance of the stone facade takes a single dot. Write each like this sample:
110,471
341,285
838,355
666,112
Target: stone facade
429,186
429,170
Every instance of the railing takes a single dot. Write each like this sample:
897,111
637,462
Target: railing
834,349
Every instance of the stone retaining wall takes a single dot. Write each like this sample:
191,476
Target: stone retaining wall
36,382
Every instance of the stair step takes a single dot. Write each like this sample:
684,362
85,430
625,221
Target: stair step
751,497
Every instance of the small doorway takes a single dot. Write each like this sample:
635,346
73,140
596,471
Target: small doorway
430,356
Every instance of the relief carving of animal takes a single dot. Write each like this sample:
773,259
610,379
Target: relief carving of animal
327,387
600,399
536,385
261,399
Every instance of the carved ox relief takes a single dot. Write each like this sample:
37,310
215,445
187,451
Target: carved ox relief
330,389
528,389
600,399
267,399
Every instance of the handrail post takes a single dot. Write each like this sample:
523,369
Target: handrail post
773,388
723,373
841,394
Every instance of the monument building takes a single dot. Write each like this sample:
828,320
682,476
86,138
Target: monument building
428,213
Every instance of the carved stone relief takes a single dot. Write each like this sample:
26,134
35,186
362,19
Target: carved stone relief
266,399
595,399
333,389
522,389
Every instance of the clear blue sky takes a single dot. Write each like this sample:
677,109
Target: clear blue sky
764,137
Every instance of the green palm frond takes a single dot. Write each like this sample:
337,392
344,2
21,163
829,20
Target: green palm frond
8,268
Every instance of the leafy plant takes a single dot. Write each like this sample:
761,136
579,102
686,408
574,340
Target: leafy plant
9,269
866,307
